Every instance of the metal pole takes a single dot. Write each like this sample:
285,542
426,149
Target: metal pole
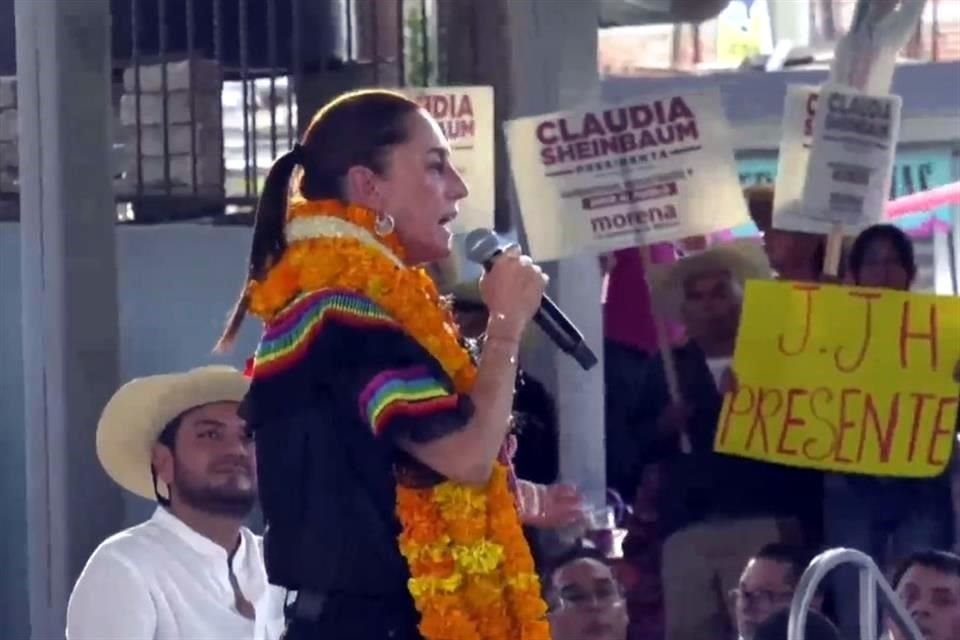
868,602
871,579
541,78
69,292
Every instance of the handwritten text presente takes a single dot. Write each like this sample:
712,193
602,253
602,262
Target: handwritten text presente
844,379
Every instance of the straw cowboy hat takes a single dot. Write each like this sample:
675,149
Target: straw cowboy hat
744,259
137,414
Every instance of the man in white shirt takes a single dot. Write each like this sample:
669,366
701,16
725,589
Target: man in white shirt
192,571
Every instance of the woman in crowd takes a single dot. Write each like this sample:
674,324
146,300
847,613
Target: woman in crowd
885,517
380,438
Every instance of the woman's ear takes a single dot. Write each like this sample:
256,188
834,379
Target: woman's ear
362,186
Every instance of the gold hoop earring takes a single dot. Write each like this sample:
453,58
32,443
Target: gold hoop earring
384,224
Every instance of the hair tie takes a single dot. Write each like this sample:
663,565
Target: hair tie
298,154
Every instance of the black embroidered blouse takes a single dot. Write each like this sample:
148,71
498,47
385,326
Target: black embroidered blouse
336,381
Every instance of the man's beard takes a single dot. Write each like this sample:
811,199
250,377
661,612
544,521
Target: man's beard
230,501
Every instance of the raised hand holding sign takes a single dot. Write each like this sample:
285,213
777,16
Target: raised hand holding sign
836,156
866,55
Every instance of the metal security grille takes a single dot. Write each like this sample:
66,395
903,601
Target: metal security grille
206,93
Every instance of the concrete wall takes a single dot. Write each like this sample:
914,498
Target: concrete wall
176,284
13,531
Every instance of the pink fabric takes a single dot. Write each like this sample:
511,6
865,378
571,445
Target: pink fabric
924,201
626,313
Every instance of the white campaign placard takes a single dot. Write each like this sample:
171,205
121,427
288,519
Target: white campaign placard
614,175
799,110
861,165
466,116
851,162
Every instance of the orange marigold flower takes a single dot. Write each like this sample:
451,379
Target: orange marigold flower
465,532
482,592
471,570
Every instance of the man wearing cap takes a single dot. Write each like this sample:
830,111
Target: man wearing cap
716,510
192,570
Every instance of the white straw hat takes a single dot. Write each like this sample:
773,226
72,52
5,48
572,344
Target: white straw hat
744,259
138,412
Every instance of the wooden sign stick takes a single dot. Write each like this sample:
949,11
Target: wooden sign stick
833,252
666,352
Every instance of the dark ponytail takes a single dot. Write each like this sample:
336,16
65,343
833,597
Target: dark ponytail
355,129
268,241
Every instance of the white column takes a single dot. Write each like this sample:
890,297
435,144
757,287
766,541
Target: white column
553,65
790,20
69,290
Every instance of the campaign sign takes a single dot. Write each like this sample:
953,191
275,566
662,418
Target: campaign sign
614,175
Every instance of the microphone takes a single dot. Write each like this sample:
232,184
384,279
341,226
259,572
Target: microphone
483,246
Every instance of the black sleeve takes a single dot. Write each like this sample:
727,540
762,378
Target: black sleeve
347,345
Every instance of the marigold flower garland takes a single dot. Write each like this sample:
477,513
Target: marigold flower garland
472,575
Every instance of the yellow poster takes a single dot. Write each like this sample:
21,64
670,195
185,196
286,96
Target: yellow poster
743,30
844,379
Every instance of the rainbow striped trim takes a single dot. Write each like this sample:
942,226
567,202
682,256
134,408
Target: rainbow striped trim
412,392
288,336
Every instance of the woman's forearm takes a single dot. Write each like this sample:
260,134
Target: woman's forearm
468,454
492,398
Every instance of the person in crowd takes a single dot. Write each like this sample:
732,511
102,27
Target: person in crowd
368,410
800,257
586,599
928,584
818,627
794,255
630,345
882,256
192,570
630,342
885,518
715,510
767,586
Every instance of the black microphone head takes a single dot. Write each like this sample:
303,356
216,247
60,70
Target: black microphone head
482,245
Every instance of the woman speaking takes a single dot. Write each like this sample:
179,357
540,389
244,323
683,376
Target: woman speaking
379,434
